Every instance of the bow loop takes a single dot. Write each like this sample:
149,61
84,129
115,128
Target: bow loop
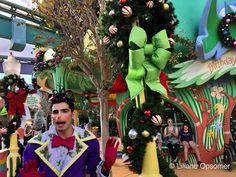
137,42
146,58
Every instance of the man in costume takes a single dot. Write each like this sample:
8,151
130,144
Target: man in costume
65,150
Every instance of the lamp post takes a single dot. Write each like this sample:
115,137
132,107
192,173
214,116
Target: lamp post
11,65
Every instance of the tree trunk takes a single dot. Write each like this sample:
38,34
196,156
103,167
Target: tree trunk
104,121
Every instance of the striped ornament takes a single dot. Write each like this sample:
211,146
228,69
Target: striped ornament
127,11
106,40
149,4
157,120
113,29
125,159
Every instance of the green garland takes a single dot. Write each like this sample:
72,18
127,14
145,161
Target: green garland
140,121
160,16
7,83
224,30
135,148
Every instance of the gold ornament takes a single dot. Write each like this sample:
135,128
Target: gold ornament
166,6
145,133
120,44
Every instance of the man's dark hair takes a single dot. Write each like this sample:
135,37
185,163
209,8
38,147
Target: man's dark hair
60,97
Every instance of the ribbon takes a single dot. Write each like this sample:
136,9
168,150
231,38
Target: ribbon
16,102
147,59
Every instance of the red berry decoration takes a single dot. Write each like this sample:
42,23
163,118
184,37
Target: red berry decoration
148,113
122,1
130,149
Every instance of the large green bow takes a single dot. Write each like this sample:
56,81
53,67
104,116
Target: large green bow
146,57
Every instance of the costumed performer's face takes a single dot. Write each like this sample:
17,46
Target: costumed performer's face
62,117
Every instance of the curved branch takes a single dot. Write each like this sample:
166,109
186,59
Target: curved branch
227,116
202,100
212,118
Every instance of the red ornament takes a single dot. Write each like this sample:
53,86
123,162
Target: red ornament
130,149
122,1
147,113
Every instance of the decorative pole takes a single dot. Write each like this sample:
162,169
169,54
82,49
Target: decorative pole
13,159
147,61
150,166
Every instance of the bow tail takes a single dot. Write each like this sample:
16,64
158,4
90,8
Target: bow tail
133,80
152,78
135,72
21,97
20,108
11,97
11,109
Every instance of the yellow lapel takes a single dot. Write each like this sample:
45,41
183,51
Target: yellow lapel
43,152
80,149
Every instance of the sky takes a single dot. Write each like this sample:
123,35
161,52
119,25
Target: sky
24,3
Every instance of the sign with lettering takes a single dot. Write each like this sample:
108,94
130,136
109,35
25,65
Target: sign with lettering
33,101
199,72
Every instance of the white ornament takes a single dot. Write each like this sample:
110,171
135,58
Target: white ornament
113,29
49,55
132,134
157,120
149,4
112,12
127,11
106,40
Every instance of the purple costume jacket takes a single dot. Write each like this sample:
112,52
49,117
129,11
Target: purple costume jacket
84,158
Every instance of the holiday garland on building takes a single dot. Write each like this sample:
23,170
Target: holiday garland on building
9,83
224,30
119,16
13,90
